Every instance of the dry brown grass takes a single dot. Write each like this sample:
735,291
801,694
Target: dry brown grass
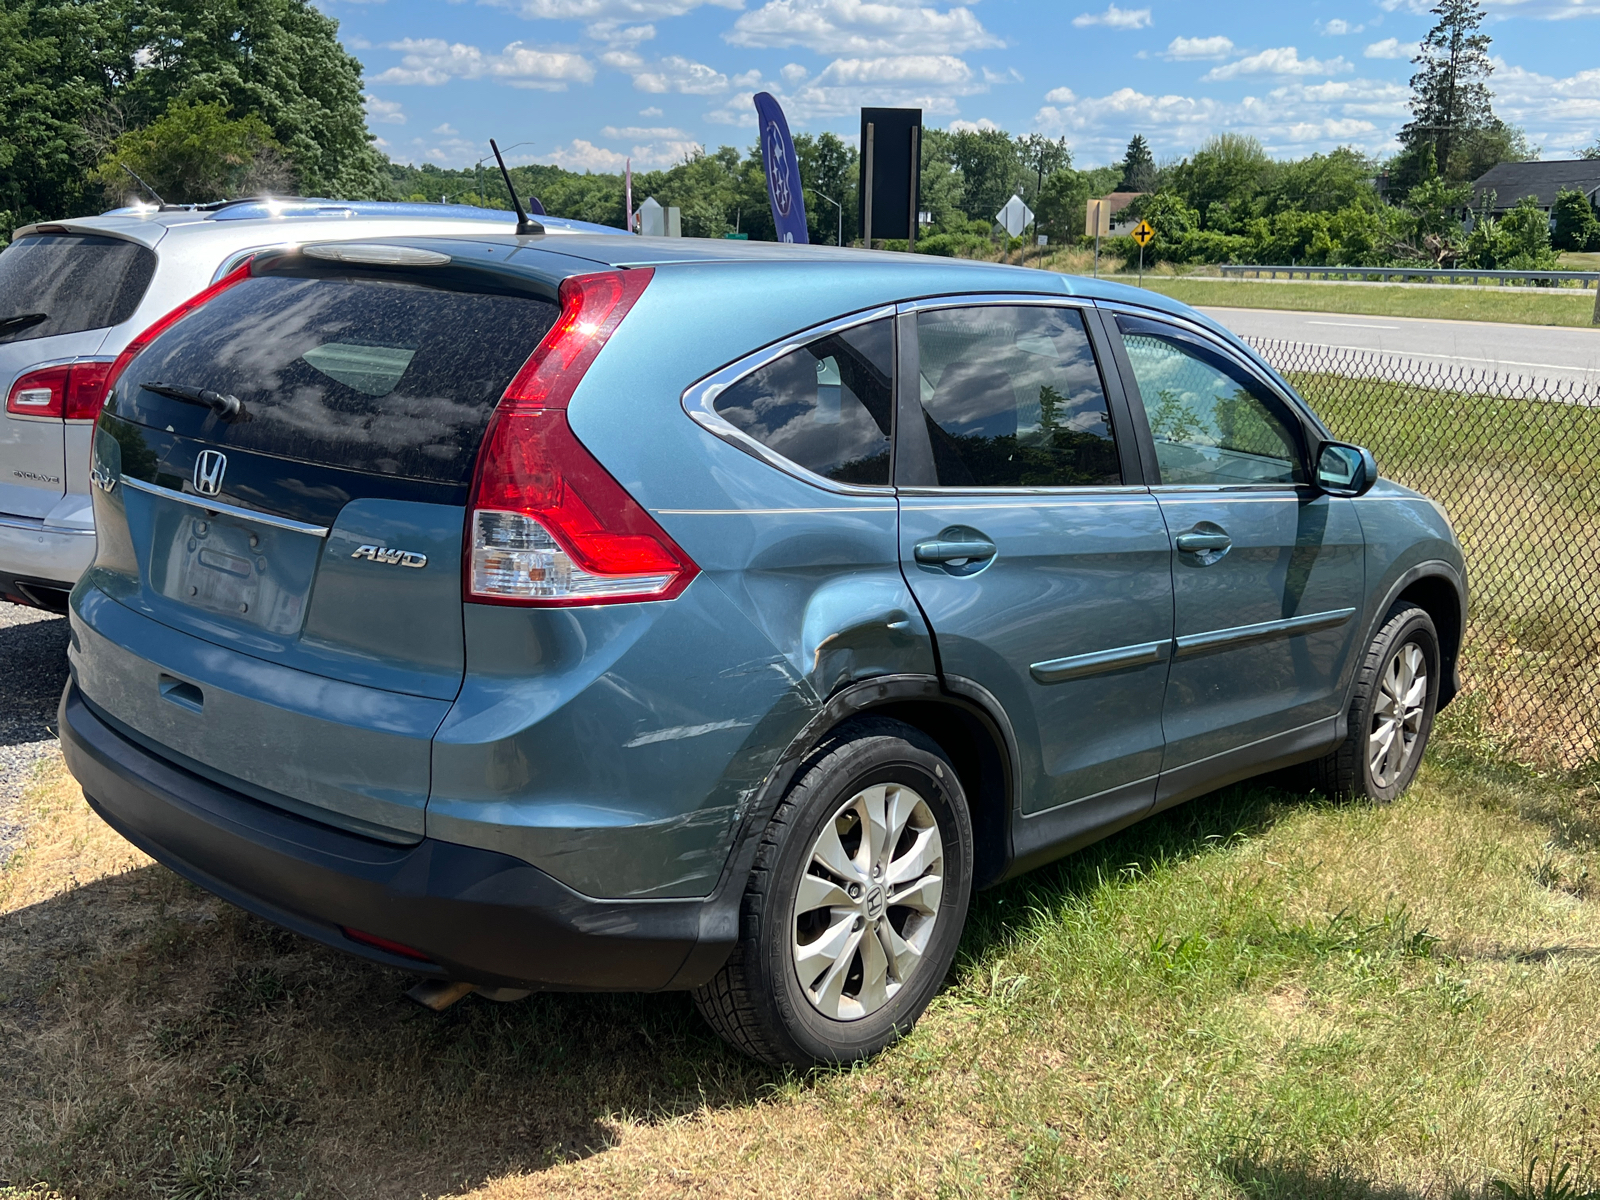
1253,996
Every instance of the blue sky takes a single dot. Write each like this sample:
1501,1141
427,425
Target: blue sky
584,83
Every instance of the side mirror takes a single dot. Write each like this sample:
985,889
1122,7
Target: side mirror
1345,470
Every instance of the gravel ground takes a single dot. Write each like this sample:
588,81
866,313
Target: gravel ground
33,670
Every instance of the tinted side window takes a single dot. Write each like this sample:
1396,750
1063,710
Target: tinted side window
1211,423
370,375
827,407
1013,399
74,282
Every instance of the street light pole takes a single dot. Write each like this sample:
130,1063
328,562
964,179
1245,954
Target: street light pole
840,239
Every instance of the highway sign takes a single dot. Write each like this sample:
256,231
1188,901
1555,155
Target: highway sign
1143,233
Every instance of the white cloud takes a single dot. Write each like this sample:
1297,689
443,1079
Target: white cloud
637,132
1556,113
1184,48
861,27
615,33
433,61
1116,18
652,111
446,130
1388,48
908,68
387,112
793,73
1283,60
602,11
581,155
981,125
1339,27
673,73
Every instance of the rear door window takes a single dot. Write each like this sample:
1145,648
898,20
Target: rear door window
383,376
1013,398
52,284
827,407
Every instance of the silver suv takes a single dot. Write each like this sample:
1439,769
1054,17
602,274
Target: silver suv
73,295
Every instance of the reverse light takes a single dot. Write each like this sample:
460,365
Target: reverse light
71,390
139,344
549,524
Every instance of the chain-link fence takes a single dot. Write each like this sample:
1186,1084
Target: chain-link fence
1516,464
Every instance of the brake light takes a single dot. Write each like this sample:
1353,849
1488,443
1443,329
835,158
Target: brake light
139,344
549,524
72,390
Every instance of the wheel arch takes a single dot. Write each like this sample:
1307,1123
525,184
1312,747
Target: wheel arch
1438,591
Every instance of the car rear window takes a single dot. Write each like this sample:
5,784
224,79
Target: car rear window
68,283
380,376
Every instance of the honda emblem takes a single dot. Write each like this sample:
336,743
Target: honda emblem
208,469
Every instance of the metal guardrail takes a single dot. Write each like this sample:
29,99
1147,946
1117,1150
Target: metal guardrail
1584,279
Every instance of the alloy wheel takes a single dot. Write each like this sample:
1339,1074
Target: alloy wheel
868,901
1397,716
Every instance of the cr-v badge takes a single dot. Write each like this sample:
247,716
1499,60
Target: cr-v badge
384,554
208,470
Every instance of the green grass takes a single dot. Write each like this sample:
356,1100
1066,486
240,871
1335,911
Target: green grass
1258,995
1523,306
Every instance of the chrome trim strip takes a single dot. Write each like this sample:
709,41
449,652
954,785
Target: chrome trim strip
37,525
978,299
231,510
1059,670
699,399
1265,631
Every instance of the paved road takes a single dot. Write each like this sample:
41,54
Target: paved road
1542,351
33,670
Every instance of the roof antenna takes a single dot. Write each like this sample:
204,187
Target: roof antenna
525,223
144,185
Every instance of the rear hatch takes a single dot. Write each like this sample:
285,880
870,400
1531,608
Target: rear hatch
59,294
281,490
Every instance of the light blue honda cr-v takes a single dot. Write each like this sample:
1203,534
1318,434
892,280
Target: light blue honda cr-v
635,614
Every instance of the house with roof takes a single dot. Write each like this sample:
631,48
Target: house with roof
1503,185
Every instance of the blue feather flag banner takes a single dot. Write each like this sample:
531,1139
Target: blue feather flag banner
783,171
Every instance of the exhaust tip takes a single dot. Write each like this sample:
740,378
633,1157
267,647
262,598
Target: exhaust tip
440,994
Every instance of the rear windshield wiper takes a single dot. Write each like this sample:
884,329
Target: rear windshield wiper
20,322
229,408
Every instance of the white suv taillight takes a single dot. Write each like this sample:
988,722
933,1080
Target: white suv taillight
549,524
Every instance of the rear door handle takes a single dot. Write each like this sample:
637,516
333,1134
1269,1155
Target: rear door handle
942,552
1196,543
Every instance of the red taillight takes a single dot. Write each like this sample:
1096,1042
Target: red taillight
549,525
136,347
383,943
71,390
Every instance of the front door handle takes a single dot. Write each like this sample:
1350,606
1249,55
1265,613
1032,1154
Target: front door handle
971,550
1199,543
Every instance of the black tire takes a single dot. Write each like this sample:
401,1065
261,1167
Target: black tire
757,1001
1348,770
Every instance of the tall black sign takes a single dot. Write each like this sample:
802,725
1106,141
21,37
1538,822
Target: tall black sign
891,167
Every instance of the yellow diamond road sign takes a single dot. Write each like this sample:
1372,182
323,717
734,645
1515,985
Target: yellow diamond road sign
1143,233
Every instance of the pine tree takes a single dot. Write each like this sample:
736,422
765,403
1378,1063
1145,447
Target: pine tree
1450,95
1138,167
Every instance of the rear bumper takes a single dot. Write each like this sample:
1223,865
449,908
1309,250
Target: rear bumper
39,564
479,916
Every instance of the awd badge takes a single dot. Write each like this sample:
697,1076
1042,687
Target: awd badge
395,558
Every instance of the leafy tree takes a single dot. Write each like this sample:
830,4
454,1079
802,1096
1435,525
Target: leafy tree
1577,227
1520,240
1493,143
278,59
194,153
1138,167
1428,227
1061,205
1450,91
1321,183
1590,151
59,64
990,170
1222,178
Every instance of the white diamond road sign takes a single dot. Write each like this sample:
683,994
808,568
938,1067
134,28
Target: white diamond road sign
1015,216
